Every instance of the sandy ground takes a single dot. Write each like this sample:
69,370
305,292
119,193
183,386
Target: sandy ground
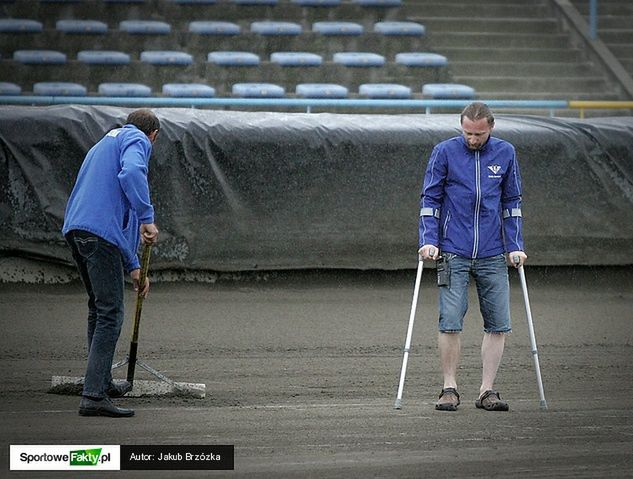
302,372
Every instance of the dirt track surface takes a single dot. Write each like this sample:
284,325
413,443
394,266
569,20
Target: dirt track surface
302,372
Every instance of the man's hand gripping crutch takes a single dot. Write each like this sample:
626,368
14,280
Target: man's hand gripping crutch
426,252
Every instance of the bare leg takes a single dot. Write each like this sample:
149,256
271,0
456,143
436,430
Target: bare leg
491,353
449,345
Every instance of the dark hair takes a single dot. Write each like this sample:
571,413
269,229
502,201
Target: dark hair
144,119
476,111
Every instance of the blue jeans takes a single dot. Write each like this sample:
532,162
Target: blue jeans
100,266
493,289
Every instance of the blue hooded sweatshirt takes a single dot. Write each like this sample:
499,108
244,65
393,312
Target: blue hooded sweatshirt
111,195
471,199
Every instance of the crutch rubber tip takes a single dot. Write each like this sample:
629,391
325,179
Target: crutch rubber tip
544,405
398,404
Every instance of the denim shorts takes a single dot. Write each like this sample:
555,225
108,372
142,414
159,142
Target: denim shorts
493,289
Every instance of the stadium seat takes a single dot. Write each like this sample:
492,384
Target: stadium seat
86,27
321,90
255,2
166,57
296,59
384,90
227,58
145,27
59,89
124,89
214,28
7,88
258,90
188,90
39,57
447,90
317,3
420,59
275,28
337,28
359,59
378,3
400,28
103,57
20,25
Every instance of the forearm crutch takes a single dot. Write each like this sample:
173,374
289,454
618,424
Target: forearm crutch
528,312
407,344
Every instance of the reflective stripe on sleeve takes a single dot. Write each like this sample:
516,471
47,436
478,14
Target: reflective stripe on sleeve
515,212
430,212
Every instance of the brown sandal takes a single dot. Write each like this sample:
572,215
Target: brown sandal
491,401
451,404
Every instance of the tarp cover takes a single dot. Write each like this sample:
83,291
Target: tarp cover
240,191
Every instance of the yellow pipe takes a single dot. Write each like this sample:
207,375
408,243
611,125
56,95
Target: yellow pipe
607,105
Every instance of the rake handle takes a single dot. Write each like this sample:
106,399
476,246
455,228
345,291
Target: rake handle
147,249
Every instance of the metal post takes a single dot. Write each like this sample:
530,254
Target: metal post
593,19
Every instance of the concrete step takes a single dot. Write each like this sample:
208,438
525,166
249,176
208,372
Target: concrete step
493,40
621,50
539,95
502,54
617,36
609,22
536,26
524,68
560,85
463,10
605,7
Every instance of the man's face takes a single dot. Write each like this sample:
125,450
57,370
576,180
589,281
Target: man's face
476,132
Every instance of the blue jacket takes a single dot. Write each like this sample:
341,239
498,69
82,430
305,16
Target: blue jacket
471,199
111,195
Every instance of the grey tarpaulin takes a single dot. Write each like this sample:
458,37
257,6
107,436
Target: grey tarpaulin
239,191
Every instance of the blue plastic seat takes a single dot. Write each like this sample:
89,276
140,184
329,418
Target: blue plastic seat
378,3
145,27
421,59
258,90
384,90
103,57
400,28
188,90
317,3
255,2
337,28
59,89
20,25
166,57
296,59
448,91
8,88
39,57
267,27
214,28
359,59
124,89
86,27
321,90
228,58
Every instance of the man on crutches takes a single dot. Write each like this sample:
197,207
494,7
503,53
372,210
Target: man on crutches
470,218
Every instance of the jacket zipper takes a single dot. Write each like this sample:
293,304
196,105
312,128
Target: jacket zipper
477,203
